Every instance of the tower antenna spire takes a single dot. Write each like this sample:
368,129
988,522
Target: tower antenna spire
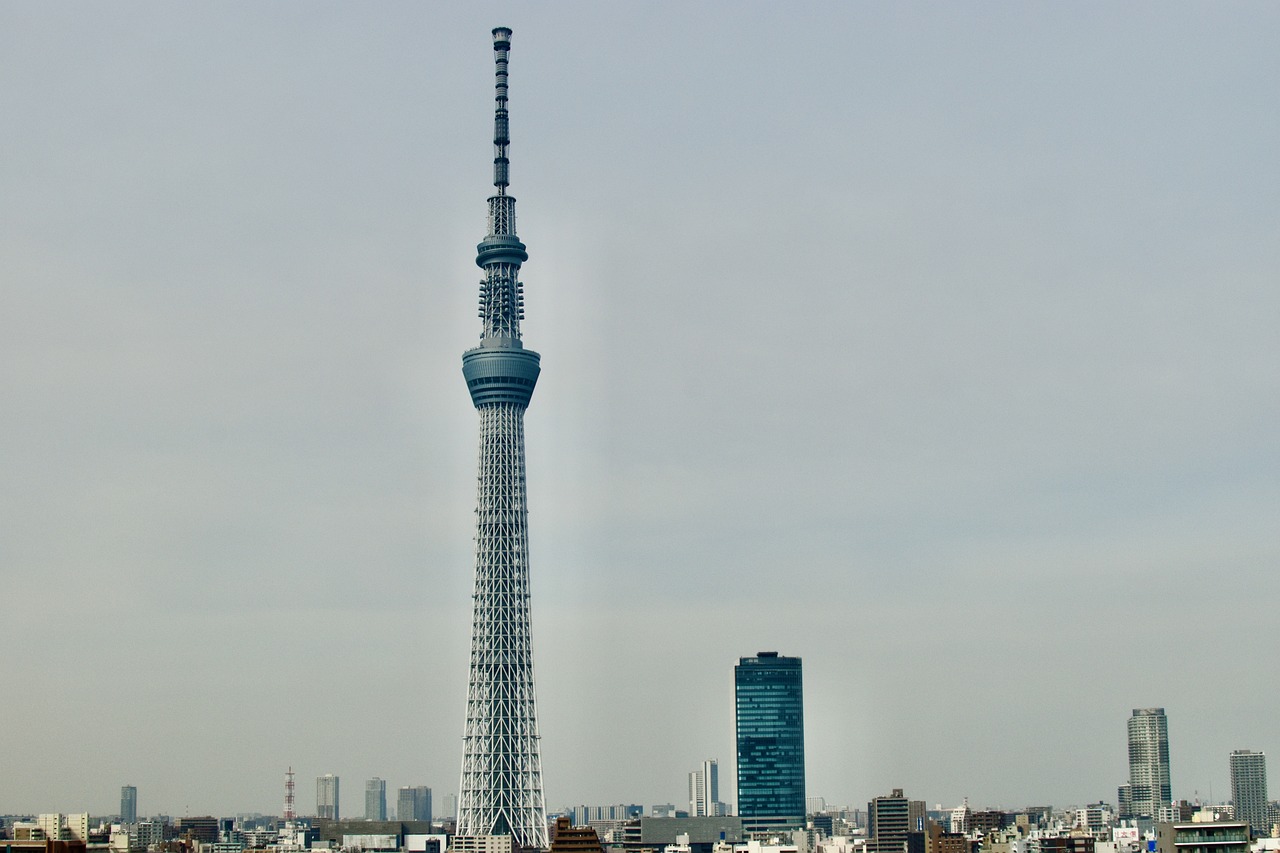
501,129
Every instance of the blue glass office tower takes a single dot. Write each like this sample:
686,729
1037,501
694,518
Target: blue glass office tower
770,731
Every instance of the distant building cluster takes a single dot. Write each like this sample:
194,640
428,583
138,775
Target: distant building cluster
772,814
891,823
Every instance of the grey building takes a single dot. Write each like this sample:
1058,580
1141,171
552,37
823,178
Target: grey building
413,803
654,833
128,804
1149,786
327,797
375,799
1249,790
334,831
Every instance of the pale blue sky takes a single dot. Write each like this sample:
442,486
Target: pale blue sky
935,344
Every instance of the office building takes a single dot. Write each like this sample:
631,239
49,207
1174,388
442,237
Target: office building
704,791
698,834
501,787
128,804
413,803
769,704
327,797
1149,787
1249,790
938,840
375,799
413,835
202,829
895,824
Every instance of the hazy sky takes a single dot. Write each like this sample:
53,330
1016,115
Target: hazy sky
933,343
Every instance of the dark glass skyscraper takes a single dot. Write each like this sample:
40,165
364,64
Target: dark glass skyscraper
769,695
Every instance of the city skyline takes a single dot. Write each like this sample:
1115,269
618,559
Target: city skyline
1029,414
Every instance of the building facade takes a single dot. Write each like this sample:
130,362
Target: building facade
1249,790
1149,786
769,704
501,786
1206,837
568,838
413,803
327,797
375,799
895,824
128,804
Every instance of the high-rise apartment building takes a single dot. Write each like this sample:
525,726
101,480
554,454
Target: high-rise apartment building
501,787
375,799
704,791
406,803
1249,790
769,699
1149,786
895,824
413,803
327,797
128,804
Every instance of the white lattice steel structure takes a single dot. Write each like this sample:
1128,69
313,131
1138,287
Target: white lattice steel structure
501,788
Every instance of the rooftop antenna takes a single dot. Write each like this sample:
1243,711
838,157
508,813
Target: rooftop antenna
289,814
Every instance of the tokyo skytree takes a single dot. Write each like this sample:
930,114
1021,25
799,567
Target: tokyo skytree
501,788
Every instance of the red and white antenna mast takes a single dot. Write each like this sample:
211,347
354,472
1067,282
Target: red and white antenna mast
289,813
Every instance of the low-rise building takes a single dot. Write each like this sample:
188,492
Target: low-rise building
1203,837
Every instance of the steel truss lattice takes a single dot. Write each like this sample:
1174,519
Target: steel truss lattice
501,769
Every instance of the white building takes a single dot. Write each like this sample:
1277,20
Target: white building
704,791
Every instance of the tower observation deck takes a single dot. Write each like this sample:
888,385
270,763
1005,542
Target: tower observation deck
501,787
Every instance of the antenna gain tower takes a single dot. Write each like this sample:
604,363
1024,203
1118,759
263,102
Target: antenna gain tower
289,813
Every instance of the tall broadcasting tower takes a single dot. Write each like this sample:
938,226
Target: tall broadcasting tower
501,790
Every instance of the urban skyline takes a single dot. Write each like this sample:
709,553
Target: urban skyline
1030,412
1249,794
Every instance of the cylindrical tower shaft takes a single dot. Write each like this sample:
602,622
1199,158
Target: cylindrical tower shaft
501,785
